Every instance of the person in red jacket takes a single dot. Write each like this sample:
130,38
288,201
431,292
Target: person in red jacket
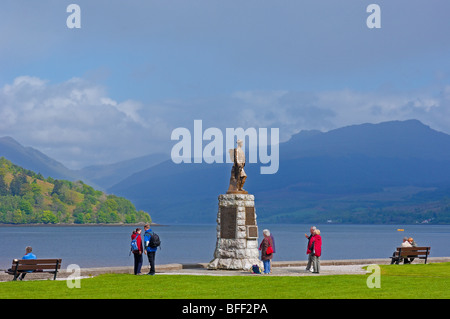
266,256
138,253
315,250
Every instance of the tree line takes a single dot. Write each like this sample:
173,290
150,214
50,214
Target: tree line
27,197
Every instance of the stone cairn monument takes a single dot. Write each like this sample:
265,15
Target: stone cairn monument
237,231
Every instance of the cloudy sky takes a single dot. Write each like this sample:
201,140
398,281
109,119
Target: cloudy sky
115,88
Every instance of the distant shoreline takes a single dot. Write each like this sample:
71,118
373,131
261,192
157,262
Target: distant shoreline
79,225
165,225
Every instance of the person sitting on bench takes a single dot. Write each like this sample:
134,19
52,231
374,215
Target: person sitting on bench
413,243
28,255
398,259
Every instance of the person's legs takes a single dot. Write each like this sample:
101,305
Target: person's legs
137,263
266,266
151,259
310,258
135,256
316,264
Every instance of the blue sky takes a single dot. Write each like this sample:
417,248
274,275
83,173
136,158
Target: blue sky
136,70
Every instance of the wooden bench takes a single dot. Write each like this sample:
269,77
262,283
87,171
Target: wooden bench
410,252
20,266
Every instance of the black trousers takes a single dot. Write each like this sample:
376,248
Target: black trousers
151,259
137,263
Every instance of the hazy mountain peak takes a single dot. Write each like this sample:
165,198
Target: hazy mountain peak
410,138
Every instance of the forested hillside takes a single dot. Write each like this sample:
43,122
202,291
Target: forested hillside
28,198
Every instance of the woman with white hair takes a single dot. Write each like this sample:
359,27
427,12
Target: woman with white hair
266,248
315,248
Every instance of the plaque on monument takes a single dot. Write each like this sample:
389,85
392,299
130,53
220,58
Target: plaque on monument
252,231
250,218
228,222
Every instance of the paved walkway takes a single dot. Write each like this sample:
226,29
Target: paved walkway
276,271
279,268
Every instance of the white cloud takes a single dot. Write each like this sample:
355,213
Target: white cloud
77,123
74,121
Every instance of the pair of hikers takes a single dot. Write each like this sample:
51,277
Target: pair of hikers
148,247
314,250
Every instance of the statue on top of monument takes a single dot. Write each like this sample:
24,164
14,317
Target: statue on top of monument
238,175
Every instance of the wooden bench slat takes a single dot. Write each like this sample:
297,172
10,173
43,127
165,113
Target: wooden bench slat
406,253
413,248
34,267
36,261
413,251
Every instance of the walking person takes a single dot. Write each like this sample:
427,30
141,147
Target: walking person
149,251
266,248
138,252
308,252
316,250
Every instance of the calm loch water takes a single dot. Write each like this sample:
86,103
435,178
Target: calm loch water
101,246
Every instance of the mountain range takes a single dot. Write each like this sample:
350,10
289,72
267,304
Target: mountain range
391,172
98,176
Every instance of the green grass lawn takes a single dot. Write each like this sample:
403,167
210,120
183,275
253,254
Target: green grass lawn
431,281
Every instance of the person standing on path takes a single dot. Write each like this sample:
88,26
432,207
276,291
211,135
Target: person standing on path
150,251
310,257
316,250
137,253
266,255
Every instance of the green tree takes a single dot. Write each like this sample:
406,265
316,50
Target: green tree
48,217
79,218
17,183
3,186
17,217
130,219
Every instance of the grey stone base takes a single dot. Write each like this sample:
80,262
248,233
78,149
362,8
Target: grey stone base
237,244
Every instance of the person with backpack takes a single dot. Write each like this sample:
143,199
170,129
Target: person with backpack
151,243
136,248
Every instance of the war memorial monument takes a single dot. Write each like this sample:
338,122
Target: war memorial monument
237,230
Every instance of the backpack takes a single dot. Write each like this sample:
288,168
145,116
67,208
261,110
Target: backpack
154,241
134,244
256,269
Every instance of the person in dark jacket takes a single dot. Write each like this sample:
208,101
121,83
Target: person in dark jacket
265,256
150,251
310,257
315,250
138,253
